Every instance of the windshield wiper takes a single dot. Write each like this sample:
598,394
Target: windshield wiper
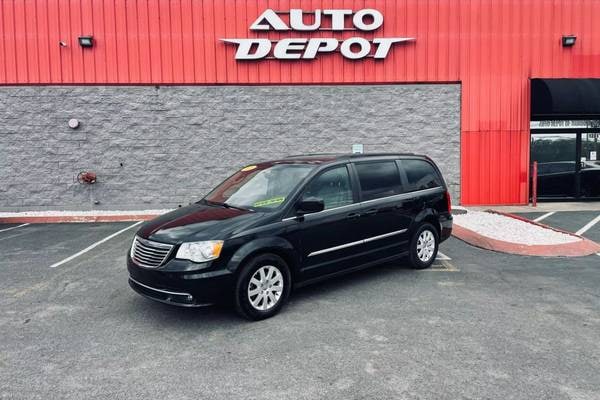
226,205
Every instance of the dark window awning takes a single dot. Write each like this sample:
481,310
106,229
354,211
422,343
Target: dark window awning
565,99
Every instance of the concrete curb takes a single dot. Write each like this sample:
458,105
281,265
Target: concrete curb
583,247
76,218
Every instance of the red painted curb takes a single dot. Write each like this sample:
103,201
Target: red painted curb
583,247
72,218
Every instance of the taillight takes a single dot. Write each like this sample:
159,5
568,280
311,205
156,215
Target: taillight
448,201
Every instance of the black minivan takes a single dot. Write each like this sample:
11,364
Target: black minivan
280,224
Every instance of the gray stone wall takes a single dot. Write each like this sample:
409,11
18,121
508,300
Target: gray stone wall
155,147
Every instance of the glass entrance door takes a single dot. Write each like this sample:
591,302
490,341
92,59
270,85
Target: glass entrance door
556,155
589,175
568,165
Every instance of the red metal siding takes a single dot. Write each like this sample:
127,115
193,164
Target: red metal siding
492,47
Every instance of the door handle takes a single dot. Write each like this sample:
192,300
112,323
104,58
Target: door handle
353,215
372,211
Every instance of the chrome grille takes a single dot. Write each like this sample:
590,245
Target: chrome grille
149,254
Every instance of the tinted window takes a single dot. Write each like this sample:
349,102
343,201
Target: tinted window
378,179
420,175
559,167
332,186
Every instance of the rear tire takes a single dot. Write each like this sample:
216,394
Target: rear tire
424,246
262,287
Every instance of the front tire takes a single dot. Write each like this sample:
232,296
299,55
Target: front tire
424,246
262,287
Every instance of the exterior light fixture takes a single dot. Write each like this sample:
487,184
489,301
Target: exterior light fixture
86,41
568,40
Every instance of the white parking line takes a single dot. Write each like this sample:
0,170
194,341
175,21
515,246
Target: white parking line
12,227
66,260
588,226
442,256
541,217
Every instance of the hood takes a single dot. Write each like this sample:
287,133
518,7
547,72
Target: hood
197,222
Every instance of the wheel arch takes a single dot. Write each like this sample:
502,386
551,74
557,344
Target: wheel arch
274,245
429,216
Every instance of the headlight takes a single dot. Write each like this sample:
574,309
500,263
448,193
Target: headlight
132,246
200,251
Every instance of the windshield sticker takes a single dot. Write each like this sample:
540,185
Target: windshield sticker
248,168
268,202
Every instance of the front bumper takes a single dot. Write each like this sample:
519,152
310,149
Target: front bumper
182,299
187,289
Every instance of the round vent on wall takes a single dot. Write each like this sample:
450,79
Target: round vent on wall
73,123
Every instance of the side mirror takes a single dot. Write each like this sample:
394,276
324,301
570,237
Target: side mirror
310,205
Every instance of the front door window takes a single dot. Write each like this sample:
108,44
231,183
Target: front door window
332,186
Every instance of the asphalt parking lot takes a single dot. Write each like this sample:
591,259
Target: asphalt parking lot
570,221
481,325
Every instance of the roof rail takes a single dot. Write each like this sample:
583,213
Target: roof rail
379,154
314,155
340,155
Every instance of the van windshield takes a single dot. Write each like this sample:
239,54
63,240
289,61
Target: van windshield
265,186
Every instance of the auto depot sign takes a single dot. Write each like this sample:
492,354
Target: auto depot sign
296,48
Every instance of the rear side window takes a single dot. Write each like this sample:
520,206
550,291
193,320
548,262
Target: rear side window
420,175
378,179
332,186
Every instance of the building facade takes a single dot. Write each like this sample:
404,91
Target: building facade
163,99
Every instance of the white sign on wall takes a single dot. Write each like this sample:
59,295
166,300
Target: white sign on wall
296,48
358,148
565,124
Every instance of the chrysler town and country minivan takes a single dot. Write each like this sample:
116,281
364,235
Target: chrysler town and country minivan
280,224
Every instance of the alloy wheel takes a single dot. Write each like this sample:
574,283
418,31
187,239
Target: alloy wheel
265,288
425,246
